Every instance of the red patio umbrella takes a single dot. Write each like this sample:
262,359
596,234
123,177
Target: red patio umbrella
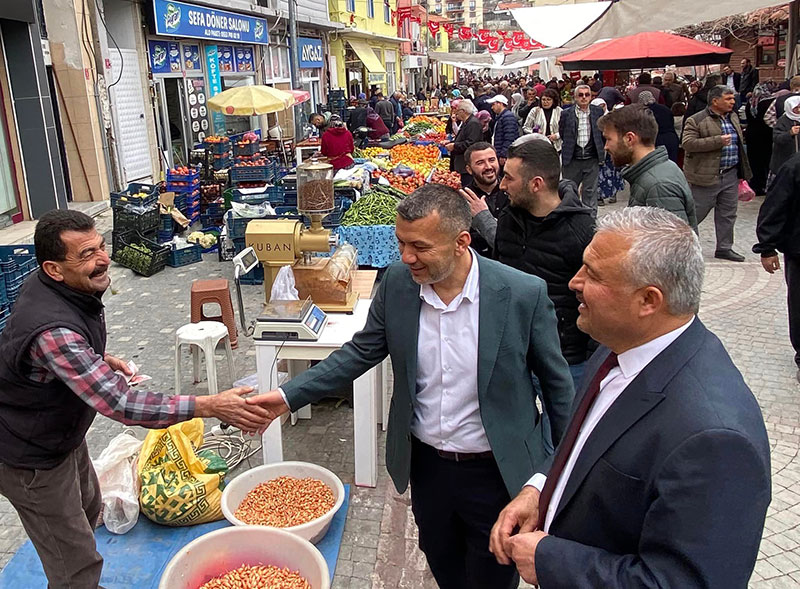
645,50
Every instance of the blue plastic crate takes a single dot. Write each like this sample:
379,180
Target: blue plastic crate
164,236
245,149
236,225
212,220
135,188
17,262
218,148
251,199
215,209
251,174
185,255
255,276
290,198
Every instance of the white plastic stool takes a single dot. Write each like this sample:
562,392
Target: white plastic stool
203,335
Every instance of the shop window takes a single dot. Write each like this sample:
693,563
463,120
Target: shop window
371,8
351,5
191,57
771,47
387,16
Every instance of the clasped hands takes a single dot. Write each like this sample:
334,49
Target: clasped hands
249,414
520,547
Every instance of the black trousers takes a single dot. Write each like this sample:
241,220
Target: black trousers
455,505
791,268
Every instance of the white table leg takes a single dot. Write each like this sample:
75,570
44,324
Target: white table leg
385,396
365,430
272,439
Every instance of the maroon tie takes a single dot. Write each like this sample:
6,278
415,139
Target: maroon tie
568,442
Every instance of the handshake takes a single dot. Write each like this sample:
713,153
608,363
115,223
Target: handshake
249,414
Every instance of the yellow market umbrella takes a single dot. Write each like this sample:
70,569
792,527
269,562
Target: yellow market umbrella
251,100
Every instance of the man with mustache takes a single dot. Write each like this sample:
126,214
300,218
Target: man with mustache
54,378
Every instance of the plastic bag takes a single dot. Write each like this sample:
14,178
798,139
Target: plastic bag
283,288
746,194
244,210
119,483
180,486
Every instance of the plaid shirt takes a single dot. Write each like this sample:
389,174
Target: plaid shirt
65,355
730,153
584,125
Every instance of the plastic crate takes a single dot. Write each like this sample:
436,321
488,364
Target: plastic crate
251,173
191,177
252,199
217,148
245,149
142,255
185,255
290,198
135,188
126,218
236,225
212,220
211,191
222,164
255,276
17,262
164,236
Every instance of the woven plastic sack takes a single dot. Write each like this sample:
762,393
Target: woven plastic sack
180,486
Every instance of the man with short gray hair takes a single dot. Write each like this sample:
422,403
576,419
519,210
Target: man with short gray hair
582,145
715,162
662,478
464,334
469,133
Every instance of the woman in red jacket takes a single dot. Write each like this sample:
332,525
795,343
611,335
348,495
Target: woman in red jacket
337,144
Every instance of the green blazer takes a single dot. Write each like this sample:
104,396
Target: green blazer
517,336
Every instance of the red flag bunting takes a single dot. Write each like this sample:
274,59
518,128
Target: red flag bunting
433,27
465,33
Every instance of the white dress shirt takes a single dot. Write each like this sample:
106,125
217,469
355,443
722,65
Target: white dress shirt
631,363
446,411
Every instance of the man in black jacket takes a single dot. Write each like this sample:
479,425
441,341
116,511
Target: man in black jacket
778,229
749,79
471,131
54,378
484,167
543,232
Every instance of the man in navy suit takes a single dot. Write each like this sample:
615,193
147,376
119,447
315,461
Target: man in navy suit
662,478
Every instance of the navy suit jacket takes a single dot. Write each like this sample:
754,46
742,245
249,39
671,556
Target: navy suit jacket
672,486
568,129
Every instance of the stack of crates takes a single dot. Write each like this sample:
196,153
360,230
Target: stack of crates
220,153
136,209
212,205
187,193
336,100
136,193
17,263
261,170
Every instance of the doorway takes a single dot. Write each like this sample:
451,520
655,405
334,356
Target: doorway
236,124
172,121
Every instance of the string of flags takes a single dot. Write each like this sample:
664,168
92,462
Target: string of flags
494,41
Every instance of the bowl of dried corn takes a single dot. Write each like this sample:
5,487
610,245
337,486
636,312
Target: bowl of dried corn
244,557
298,497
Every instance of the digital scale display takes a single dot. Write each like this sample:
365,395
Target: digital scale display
290,320
315,319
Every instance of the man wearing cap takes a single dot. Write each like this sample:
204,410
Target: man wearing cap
506,127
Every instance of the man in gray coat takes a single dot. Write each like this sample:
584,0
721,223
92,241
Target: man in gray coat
656,181
464,334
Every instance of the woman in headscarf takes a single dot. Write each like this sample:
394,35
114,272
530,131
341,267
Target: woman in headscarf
516,103
666,124
785,140
485,118
337,144
609,178
758,136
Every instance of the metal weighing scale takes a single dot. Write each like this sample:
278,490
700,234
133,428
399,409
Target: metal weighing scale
279,320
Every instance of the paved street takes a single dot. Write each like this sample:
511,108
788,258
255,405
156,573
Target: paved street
742,304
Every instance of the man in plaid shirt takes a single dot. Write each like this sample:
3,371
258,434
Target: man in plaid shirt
54,377
715,162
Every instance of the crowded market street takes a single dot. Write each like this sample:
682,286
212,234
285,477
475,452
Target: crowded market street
741,303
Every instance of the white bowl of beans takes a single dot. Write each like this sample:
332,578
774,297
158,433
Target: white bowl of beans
297,497
243,557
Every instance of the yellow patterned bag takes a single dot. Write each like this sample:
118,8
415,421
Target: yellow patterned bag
180,486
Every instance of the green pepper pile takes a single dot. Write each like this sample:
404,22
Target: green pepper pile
378,207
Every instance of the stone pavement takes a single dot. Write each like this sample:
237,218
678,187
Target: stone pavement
742,304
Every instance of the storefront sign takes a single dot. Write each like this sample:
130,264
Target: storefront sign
175,58
191,57
244,59
179,19
310,53
225,53
198,111
214,86
159,64
377,78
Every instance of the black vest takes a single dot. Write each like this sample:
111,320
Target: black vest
40,424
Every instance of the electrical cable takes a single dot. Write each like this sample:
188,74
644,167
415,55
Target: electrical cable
231,446
110,36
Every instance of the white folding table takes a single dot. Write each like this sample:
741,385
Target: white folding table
340,329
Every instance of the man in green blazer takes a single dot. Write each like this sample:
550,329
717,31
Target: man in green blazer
464,334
